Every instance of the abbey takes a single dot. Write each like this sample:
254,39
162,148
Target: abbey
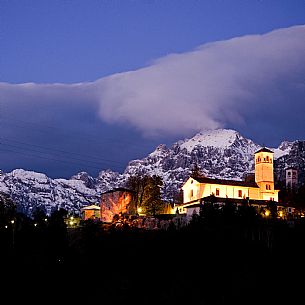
259,189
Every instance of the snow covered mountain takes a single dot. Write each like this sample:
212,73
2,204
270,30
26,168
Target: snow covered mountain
221,153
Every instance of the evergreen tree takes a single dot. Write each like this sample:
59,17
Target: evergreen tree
152,201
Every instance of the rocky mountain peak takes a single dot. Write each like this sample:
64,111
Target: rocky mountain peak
220,153
218,138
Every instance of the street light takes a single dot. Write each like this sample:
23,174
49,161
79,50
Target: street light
13,233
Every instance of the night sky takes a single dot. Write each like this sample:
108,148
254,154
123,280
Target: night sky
89,85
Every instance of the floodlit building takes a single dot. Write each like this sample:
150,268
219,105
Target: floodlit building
117,201
260,190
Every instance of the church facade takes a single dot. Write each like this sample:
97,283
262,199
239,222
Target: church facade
258,190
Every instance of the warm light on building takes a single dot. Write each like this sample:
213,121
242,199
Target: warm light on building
281,214
139,210
267,213
259,189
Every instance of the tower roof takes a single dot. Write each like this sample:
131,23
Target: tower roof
291,167
264,149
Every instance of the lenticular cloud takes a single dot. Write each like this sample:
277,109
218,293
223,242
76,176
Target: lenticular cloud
255,77
214,85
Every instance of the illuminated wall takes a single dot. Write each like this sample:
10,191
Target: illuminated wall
115,203
193,190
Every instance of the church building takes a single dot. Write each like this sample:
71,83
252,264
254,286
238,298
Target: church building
260,189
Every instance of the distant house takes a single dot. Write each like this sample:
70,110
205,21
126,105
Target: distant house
117,201
91,212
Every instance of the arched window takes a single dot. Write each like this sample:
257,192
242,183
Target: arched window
267,158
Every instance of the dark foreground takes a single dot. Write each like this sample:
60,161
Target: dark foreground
219,263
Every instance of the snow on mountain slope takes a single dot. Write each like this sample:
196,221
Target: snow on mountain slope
32,190
220,138
218,153
283,149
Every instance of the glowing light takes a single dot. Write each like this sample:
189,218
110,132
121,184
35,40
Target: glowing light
35,224
5,227
281,214
71,223
45,219
71,217
267,213
139,210
12,221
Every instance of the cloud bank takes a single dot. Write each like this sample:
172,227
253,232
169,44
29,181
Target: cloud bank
251,78
213,86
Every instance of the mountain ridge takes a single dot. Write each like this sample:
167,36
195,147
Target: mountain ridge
220,153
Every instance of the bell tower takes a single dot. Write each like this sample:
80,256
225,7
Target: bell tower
291,178
264,176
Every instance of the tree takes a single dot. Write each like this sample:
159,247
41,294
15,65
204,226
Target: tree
271,206
196,172
137,183
7,208
209,211
152,196
147,191
228,209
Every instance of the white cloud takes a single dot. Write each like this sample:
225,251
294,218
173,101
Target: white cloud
215,85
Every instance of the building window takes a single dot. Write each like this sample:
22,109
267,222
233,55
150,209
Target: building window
289,174
191,193
267,158
217,192
268,187
240,193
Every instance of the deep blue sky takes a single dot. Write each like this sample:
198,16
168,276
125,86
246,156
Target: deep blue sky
82,41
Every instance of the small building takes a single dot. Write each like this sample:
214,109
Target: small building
91,212
117,201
